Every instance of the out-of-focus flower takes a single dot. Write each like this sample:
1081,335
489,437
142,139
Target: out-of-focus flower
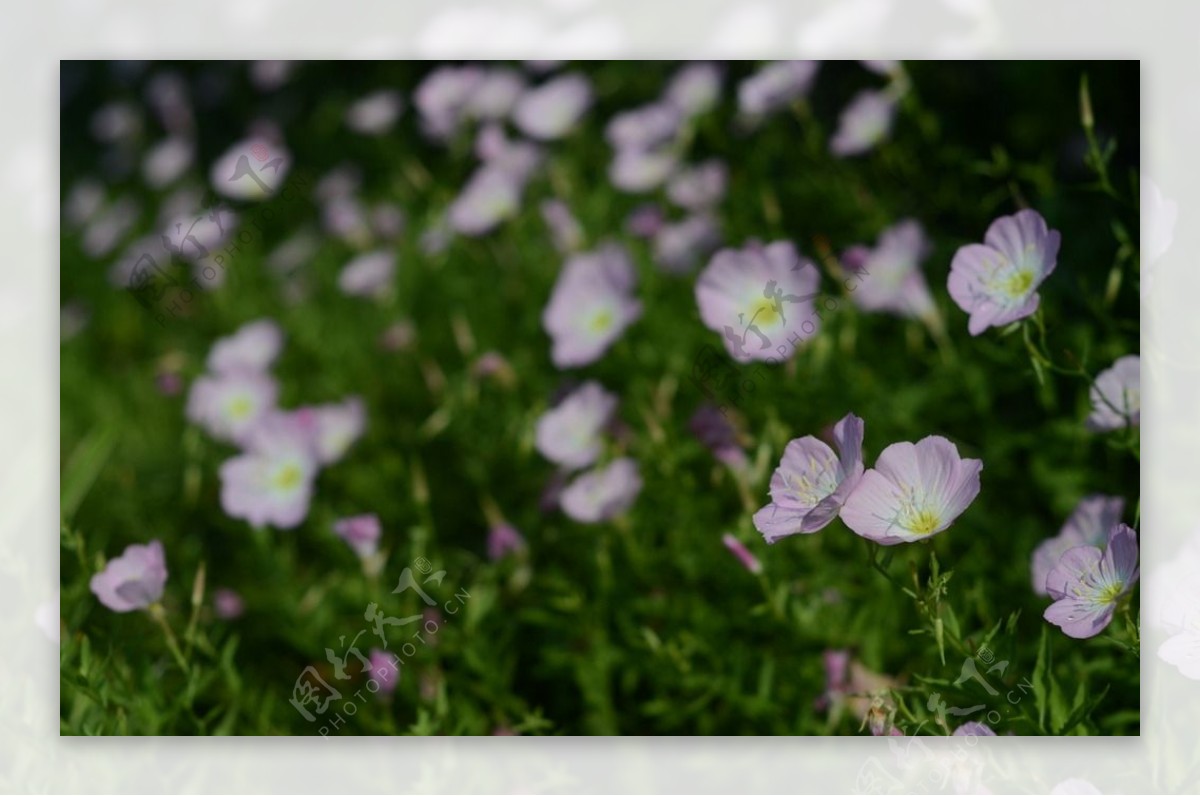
569,433
1086,583
271,75
552,109
368,274
1088,524
850,685
73,318
345,217
680,245
116,121
892,277
604,492
387,220
885,68
495,94
253,347
197,237
167,161
745,294
253,169
133,580
399,336
864,123
361,532
502,540
591,306
229,405
775,85
645,220
645,127
699,187
376,113
492,195
84,200
913,492
743,554
812,483
714,430
333,428
169,383
228,604
973,728
996,282
294,252
109,227
492,364
442,97
695,88
1117,396
640,170
271,483
383,672
564,229
167,93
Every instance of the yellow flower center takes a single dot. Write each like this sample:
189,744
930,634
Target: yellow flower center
240,407
923,522
1110,593
602,321
763,312
1016,285
288,477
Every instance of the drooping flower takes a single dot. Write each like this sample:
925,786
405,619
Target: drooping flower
714,430
569,433
913,492
271,483
745,294
1117,396
362,532
679,245
229,405
252,348
996,282
228,604
368,274
774,86
812,483
382,670
864,123
1088,524
973,728
742,553
604,492
564,229
892,277
551,110
376,113
253,169
502,540
1087,584
849,685
592,304
167,161
133,580
699,187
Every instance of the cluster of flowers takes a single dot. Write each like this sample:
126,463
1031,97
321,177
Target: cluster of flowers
913,492
1088,567
570,434
271,481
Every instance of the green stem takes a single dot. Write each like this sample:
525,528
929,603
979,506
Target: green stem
160,616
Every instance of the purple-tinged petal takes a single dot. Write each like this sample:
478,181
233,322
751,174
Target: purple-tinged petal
602,493
134,580
742,553
569,433
1079,618
1116,396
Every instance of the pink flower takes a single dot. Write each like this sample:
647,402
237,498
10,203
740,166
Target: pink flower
1088,524
1087,584
743,554
253,347
383,671
271,483
1117,396
913,492
551,110
892,280
602,493
699,187
679,245
695,88
864,124
996,282
252,169
974,728
368,274
492,195
760,298
228,604
376,113
641,170
331,428
643,128
812,482
502,540
133,580
229,405
361,532
710,425
569,433
774,86
591,306
564,229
